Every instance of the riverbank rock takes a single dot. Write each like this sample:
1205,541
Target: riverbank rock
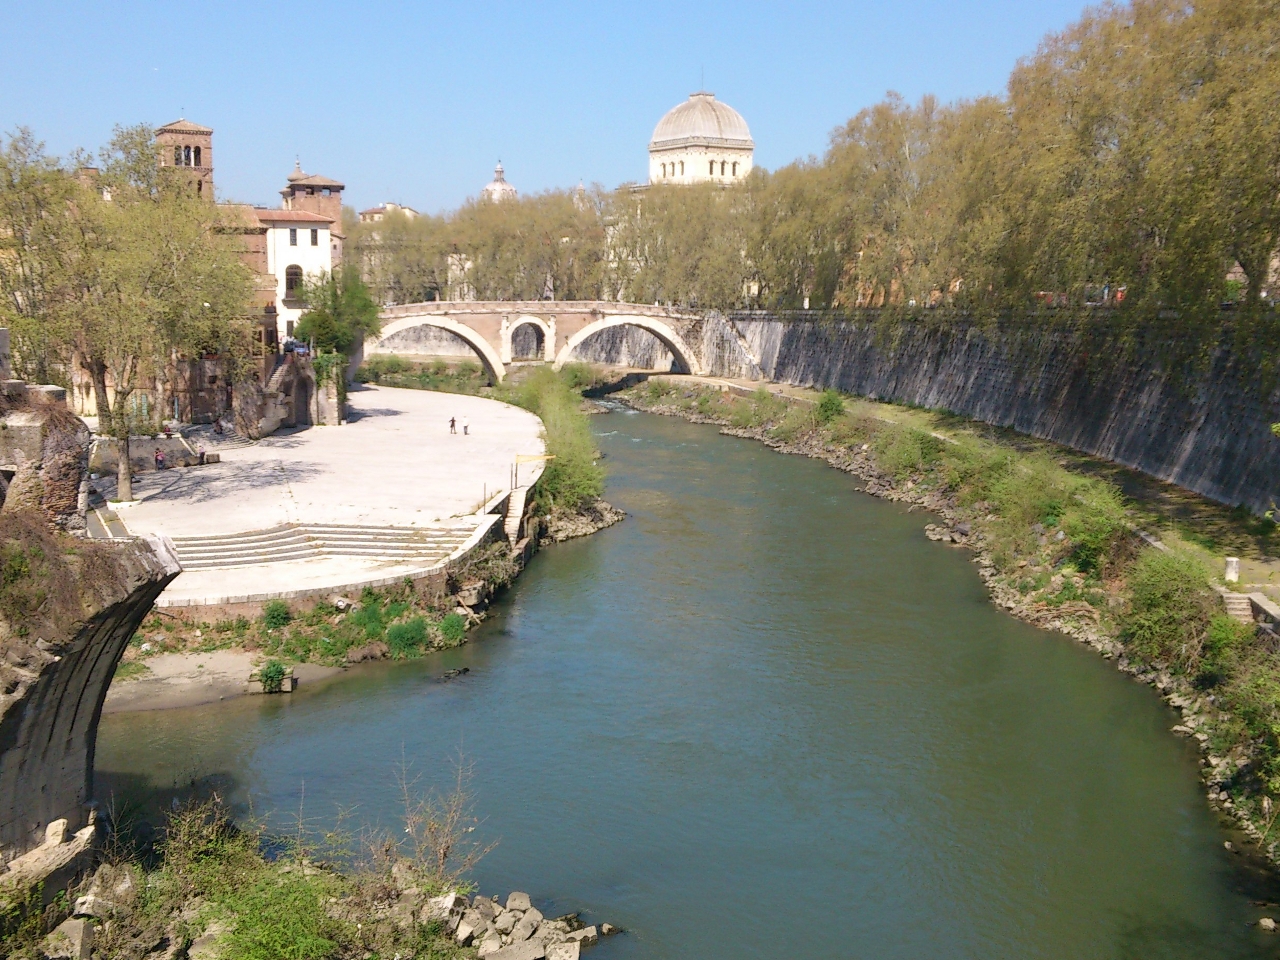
1267,924
514,931
592,517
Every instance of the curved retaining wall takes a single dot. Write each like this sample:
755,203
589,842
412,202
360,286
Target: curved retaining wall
1197,418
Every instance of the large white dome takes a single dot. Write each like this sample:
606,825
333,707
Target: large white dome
703,120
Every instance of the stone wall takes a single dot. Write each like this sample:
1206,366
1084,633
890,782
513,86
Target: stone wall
1198,417
55,667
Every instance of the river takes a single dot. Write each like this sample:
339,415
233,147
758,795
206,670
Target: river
763,717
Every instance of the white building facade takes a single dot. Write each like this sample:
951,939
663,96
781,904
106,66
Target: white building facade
298,248
701,140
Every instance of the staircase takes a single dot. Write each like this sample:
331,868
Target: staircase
1238,606
515,515
315,541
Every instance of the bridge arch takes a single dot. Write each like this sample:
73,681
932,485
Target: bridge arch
548,335
685,358
488,356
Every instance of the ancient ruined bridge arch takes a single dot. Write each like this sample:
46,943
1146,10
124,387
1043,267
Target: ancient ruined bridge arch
488,356
548,336
685,357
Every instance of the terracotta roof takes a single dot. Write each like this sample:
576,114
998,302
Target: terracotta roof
183,126
291,216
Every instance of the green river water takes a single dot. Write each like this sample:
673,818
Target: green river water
763,717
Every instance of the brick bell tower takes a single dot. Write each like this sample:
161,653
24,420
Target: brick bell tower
313,193
190,146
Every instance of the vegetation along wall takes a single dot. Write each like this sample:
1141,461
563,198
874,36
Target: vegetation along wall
1194,408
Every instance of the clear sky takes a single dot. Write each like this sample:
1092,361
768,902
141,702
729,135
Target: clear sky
414,102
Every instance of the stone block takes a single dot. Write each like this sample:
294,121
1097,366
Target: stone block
564,951
587,935
518,901
529,950
525,929
443,907
71,940
489,945
506,921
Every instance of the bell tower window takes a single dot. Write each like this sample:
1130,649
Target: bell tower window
196,153
177,156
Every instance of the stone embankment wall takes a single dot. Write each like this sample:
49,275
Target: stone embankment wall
1171,406
55,668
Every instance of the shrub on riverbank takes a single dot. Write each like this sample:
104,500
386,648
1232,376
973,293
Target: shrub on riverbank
574,478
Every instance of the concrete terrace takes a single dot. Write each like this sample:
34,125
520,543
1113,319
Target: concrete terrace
388,494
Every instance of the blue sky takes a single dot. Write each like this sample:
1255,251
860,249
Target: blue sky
415,102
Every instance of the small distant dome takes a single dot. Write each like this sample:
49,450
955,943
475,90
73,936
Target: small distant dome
297,172
499,189
702,120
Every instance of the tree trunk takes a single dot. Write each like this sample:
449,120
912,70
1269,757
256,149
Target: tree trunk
98,374
124,468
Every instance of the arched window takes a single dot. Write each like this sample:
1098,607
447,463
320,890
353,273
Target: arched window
682,168
177,156
186,156
664,169
735,168
292,282
722,168
712,168
197,155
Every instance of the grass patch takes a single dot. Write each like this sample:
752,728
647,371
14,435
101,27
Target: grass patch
130,670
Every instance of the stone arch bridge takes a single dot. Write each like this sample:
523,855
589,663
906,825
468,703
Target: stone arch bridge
558,326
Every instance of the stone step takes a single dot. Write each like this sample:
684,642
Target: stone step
1238,607
289,531
305,541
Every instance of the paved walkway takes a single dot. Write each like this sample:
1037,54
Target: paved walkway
395,464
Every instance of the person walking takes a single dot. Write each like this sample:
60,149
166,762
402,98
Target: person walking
453,424
159,459
466,426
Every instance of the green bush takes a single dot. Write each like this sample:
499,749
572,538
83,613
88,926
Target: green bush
1170,608
276,614
1224,642
830,406
406,639
574,477
453,629
272,674
902,451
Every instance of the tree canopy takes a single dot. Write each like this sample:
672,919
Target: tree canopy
1136,152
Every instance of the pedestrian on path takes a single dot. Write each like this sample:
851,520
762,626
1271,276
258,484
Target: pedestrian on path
453,424
466,426
159,459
